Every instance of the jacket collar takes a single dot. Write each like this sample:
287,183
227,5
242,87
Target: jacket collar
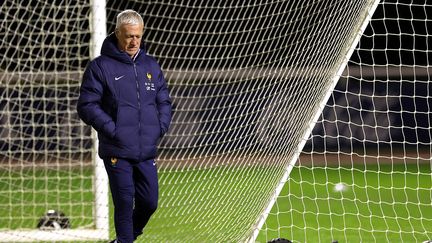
109,48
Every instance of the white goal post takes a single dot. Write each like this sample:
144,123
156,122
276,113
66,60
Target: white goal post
307,133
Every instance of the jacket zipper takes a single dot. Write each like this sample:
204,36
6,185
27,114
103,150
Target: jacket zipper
139,107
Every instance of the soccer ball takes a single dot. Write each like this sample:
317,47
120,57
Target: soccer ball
53,220
340,187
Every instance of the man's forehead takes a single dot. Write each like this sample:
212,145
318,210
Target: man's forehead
127,28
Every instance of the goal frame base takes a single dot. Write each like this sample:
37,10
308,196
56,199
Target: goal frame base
50,235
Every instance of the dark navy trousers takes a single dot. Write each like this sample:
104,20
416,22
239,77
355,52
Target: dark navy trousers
134,190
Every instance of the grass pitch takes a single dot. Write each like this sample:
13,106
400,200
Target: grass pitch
380,203
392,205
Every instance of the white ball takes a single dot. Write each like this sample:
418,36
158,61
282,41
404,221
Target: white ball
339,187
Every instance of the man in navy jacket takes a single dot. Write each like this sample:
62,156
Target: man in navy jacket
124,97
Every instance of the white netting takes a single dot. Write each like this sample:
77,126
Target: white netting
45,151
365,173
248,82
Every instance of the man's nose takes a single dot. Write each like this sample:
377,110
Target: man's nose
134,41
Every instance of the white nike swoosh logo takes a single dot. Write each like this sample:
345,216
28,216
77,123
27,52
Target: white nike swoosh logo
119,77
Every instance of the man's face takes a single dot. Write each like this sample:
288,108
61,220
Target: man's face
129,38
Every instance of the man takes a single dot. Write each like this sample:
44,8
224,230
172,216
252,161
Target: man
125,98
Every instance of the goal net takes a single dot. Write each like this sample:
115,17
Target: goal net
254,149
364,174
47,159
248,82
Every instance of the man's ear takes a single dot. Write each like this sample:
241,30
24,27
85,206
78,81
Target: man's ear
116,32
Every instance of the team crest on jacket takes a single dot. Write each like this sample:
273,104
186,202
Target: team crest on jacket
149,83
114,161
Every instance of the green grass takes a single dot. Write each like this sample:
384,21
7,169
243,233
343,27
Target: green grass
24,198
393,205
208,205
376,207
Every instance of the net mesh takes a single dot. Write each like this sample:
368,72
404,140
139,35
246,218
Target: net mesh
45,151
248,82
364,174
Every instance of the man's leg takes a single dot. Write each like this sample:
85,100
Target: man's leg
146,197
120,174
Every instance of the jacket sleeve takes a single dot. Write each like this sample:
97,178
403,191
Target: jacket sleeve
89,105
163,101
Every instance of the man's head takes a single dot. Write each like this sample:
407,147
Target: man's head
129,31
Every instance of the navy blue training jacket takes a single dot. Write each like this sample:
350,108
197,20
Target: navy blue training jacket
126,100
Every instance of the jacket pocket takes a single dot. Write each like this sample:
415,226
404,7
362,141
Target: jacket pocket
127,137
109,129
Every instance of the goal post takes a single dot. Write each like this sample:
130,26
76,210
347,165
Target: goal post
48,158
356,35
99,33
